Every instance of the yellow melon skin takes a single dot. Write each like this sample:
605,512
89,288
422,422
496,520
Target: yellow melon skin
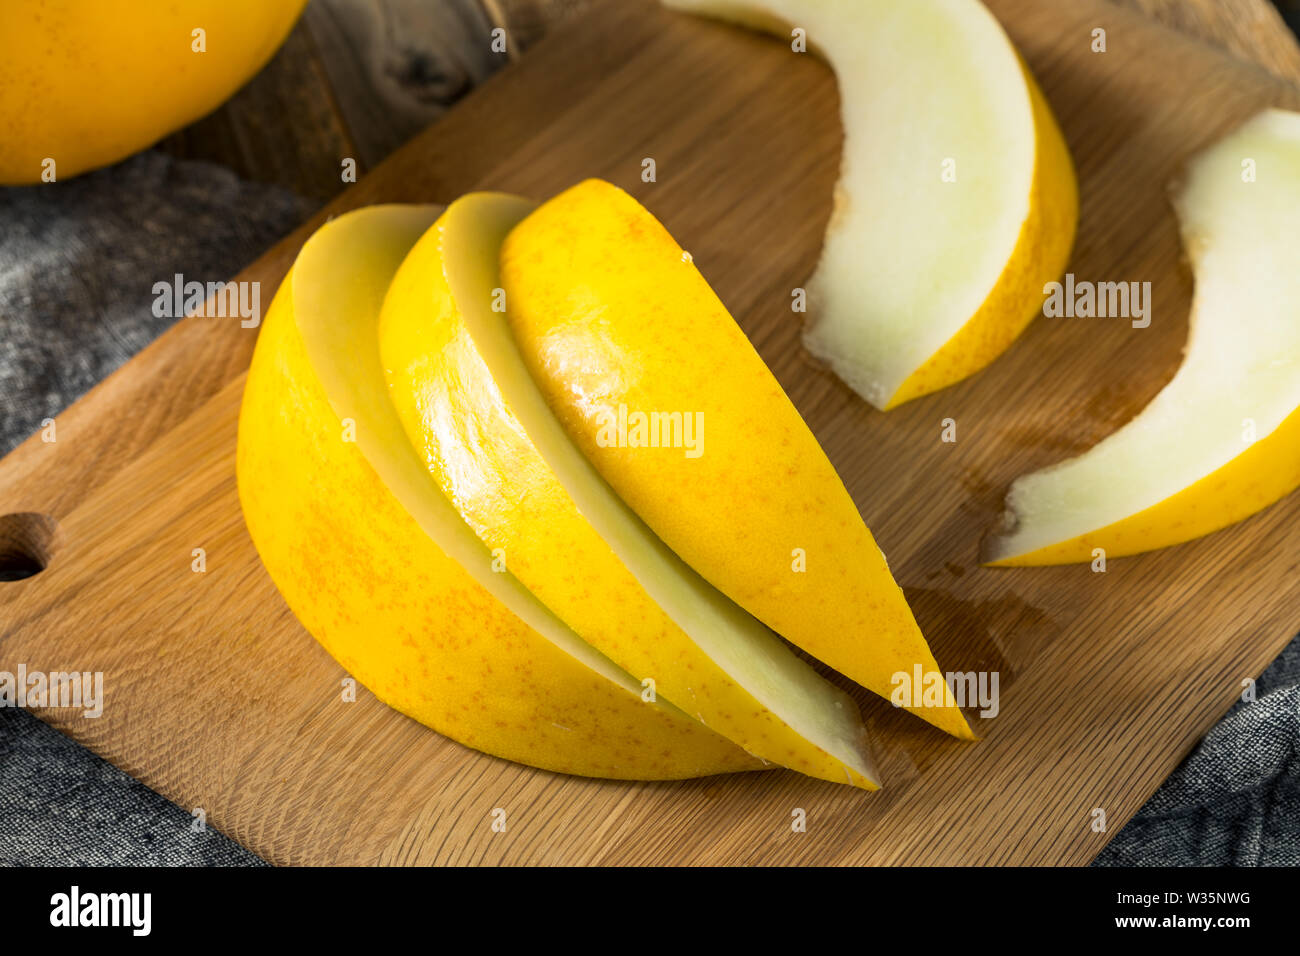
480,454
607,313
89,82
408,621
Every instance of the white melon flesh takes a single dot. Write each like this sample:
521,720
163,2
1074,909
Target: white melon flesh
1240,377
929,90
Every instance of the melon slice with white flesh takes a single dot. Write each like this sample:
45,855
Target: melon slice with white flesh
1222,440
957,199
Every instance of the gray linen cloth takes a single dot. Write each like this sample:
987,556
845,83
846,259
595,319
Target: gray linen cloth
76,267
77,264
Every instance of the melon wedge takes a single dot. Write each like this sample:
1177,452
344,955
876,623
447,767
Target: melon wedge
381,569
609,316
492,444
957,198
1222,440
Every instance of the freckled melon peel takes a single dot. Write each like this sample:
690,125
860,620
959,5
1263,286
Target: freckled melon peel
606,312
383,572
488,438
1185,466
922,281
89,82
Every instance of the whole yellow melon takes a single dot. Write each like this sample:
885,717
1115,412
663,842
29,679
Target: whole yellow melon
85,83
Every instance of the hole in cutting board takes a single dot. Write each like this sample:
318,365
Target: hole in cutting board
27,543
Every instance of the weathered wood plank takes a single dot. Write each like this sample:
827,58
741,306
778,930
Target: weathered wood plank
281,128
396,66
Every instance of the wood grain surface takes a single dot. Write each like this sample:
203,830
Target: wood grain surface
1251,30
216,697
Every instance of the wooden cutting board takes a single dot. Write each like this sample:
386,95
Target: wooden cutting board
217,698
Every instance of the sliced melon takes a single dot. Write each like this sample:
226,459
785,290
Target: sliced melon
382,570
957,198
1222,440
490,441
612,319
